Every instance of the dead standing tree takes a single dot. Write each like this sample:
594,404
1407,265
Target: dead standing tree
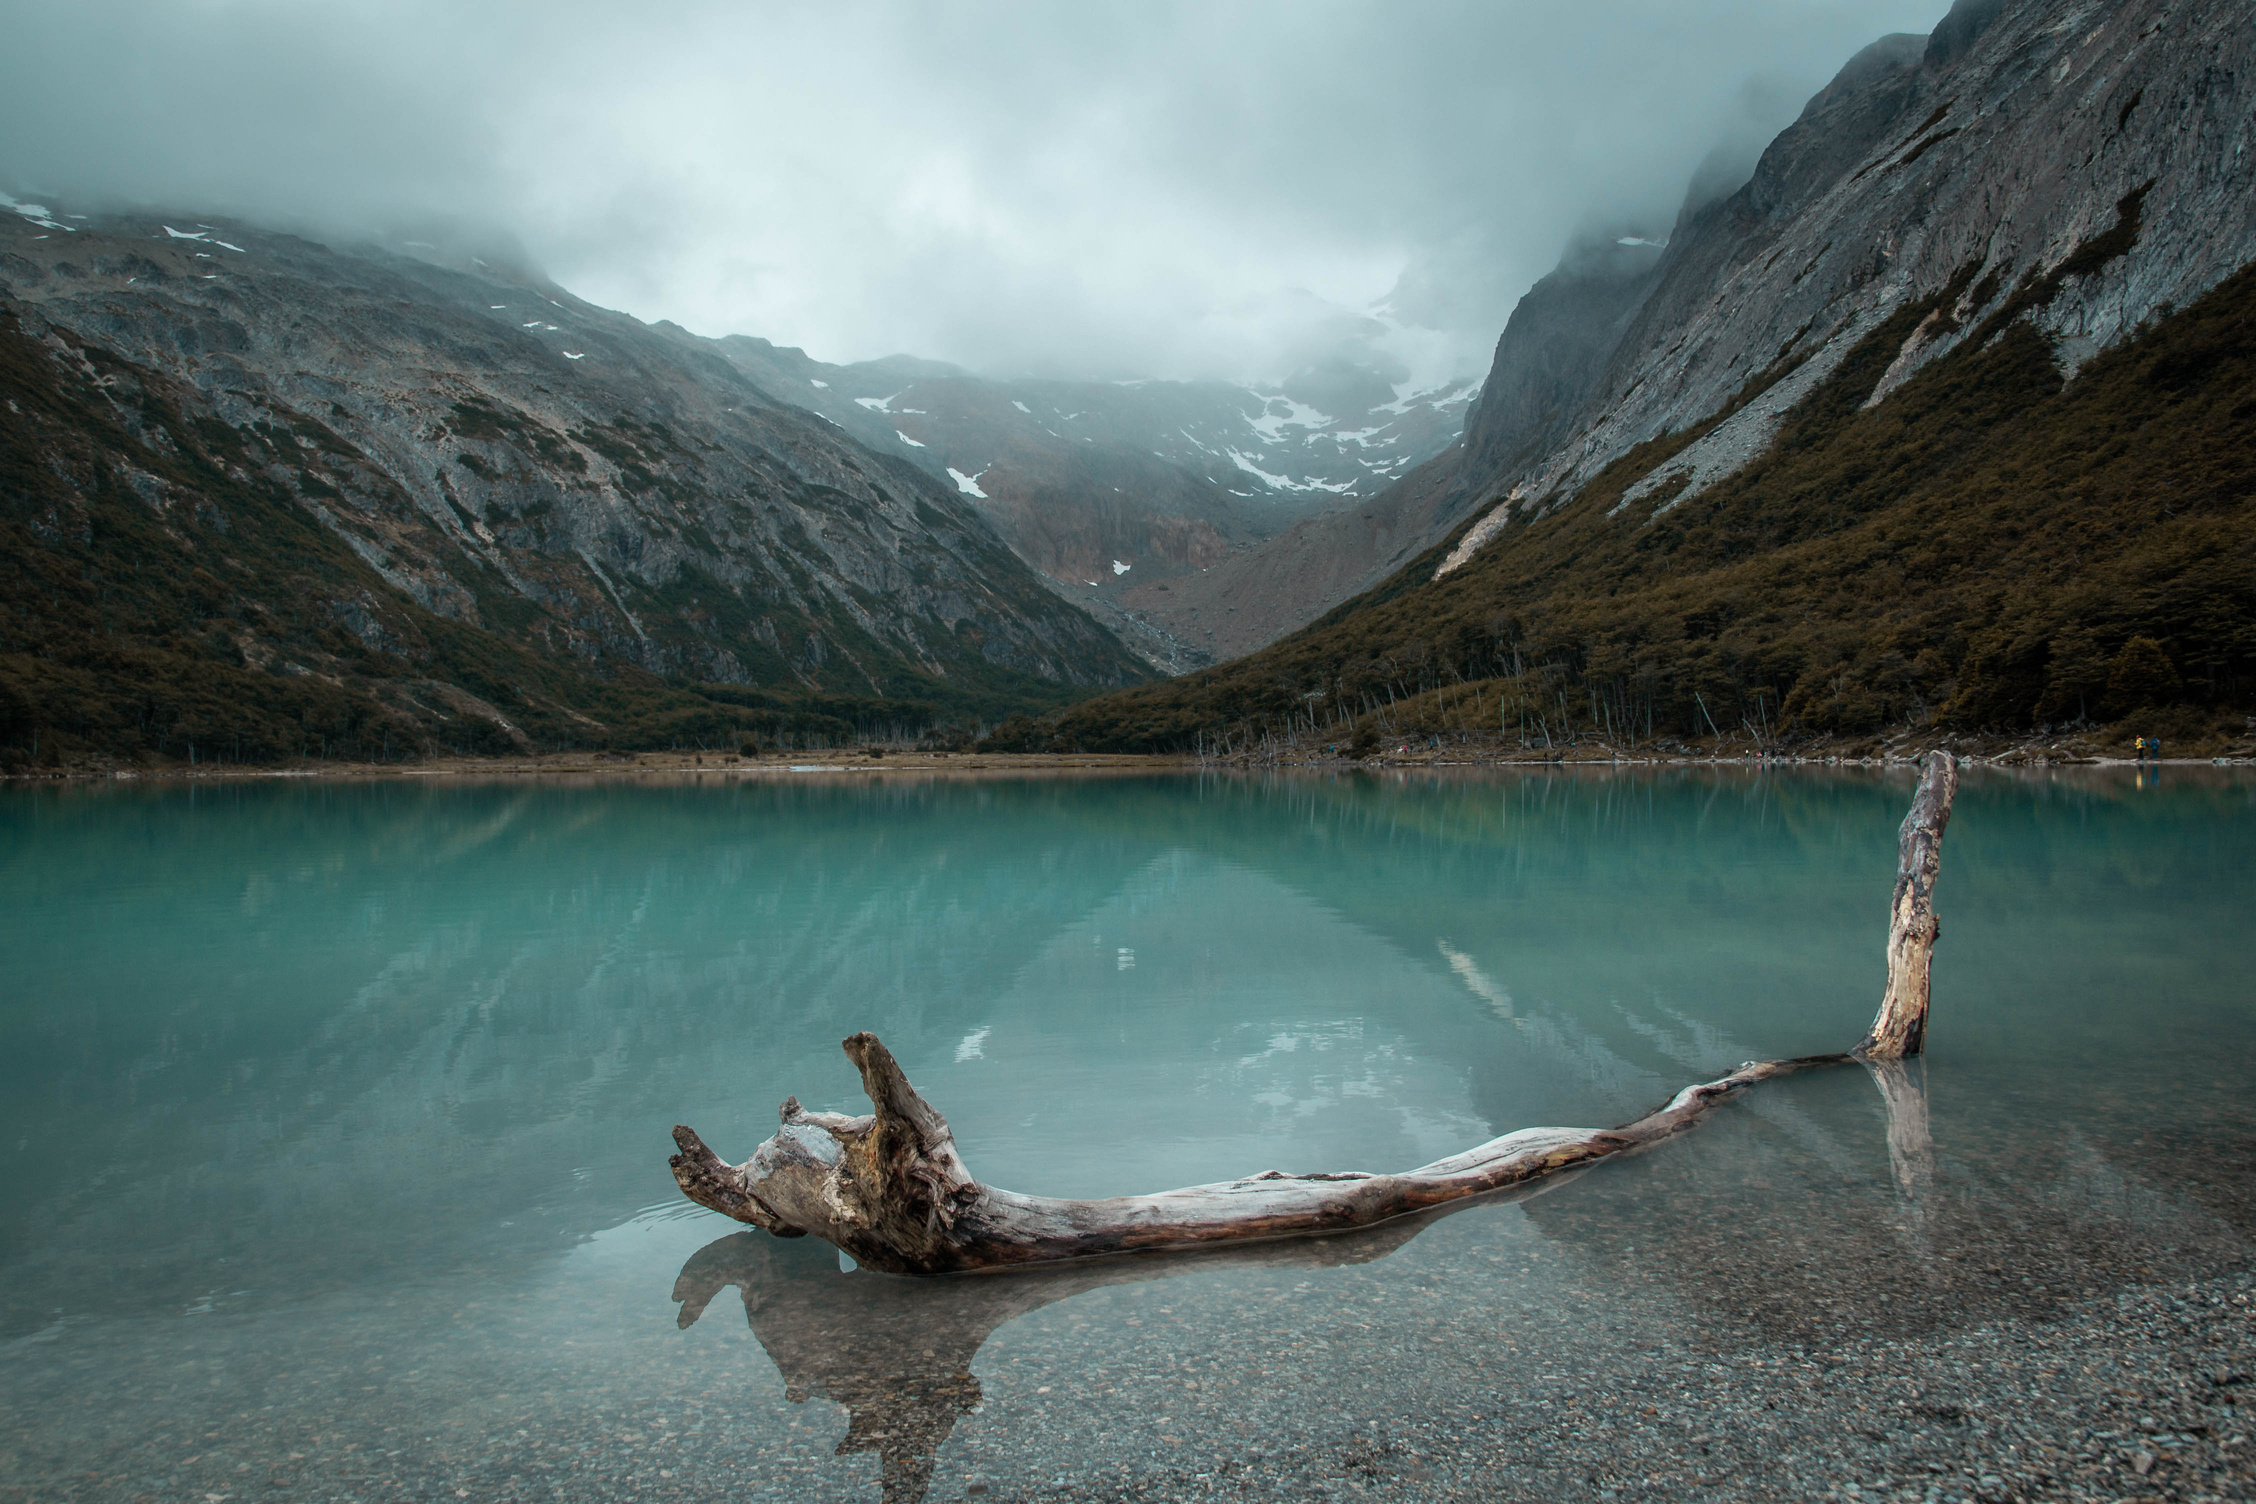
890,1189
1900,1029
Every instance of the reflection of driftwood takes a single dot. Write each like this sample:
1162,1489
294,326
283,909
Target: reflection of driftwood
901,1366
891,1190
1911,1147
897,1353
1899,1032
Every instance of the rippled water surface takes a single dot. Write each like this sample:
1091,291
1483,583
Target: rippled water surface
335,1117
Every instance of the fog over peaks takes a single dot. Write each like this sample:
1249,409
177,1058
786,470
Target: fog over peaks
1140,189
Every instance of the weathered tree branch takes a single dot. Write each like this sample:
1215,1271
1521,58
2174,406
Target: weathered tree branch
1901,1027
891,1190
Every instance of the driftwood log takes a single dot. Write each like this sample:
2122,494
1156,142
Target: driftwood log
890,1189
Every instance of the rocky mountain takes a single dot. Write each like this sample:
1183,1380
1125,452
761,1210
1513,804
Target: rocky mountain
1128,493
1994,158
1941,416
456,506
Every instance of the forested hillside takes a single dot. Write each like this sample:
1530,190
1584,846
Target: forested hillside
1989,547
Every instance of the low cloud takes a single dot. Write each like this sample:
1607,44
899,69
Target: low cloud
1142,189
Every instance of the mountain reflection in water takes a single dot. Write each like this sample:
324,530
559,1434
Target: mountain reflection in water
338,1113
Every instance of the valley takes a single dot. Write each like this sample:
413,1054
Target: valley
1936,421
1140,498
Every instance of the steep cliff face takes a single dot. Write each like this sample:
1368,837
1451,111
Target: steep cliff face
1991,152
1554,354
512,461
1995,159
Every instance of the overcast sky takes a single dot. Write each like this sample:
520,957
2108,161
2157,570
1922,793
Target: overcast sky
1223,188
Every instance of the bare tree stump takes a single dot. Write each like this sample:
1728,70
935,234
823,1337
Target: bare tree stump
890,1189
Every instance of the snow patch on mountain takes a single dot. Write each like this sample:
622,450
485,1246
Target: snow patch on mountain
206,236
1286,482
1406,396
1271,425
38,214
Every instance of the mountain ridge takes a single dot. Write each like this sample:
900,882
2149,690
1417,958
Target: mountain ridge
570,495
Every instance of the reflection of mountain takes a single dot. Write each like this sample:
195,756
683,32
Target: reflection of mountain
1232,1024
373,1027
430,1002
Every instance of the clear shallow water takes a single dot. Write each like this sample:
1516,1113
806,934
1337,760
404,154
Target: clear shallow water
336,1117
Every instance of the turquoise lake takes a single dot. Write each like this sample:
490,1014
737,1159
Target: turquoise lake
336,1116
